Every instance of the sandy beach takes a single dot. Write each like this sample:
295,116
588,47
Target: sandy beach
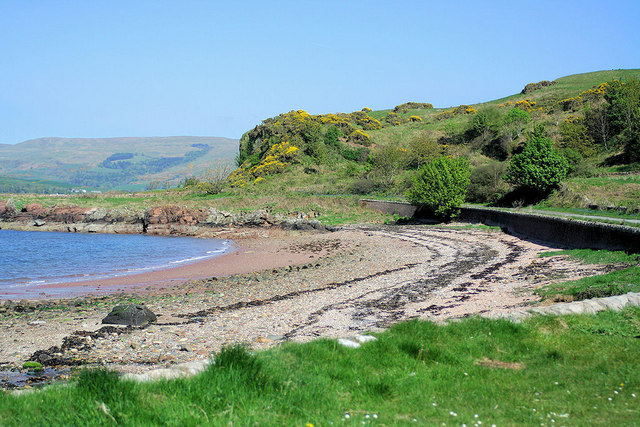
247,256
295,287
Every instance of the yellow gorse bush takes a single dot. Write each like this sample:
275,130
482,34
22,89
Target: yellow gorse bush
360,137
525,105
461,109
274,162
594,94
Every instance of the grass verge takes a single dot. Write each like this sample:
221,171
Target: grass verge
617,282
575,370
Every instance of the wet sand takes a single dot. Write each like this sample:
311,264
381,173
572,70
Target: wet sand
247,256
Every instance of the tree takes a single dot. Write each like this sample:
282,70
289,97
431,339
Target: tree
440,186
624,115
538,168
515,122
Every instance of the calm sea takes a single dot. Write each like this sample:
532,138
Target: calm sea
32,258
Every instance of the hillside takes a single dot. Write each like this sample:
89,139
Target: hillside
56,164
378,152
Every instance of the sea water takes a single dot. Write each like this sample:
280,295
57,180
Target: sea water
29,259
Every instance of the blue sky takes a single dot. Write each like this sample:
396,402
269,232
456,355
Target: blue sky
159,68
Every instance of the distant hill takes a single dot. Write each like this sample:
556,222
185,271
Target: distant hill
58,164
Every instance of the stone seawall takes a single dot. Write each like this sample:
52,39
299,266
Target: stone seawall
560,231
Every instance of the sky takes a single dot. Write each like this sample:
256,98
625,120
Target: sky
207,68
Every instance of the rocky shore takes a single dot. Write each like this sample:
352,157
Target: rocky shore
354,280
161,220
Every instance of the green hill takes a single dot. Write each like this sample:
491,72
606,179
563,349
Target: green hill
378,152
109,163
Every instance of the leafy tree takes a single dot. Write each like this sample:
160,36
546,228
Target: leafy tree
515,122
538,168
624,115
440,186
481,124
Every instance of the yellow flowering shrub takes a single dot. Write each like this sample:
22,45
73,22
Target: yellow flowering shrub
525,105
267,168
394,119
365,121
360,137
590,95
449,114
275,161
415,119
464,109
366,109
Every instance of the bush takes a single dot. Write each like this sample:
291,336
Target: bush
393,119
486,183
539,168
403,108
440,186
359,137
420,150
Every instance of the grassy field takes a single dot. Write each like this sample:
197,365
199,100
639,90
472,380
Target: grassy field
572,370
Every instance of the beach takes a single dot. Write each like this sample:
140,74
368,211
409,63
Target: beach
246,256
288,287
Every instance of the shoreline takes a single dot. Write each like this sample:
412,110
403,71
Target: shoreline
246,256
333,285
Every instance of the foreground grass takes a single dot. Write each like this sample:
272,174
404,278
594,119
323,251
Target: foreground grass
617,282
576,370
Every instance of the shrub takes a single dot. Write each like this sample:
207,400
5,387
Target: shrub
366,109
366,185
415,119
332,136
387,161
487,184
538,168
359,137
393,119
525,105
359,154
365,121
420,151
576,136
464,109
440,186
403,108
449,114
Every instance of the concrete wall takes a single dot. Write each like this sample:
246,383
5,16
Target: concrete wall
560,231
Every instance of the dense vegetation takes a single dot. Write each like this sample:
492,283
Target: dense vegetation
521,149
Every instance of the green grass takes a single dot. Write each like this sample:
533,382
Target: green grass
574,370
614,283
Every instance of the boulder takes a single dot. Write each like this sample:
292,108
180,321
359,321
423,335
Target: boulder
130,314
